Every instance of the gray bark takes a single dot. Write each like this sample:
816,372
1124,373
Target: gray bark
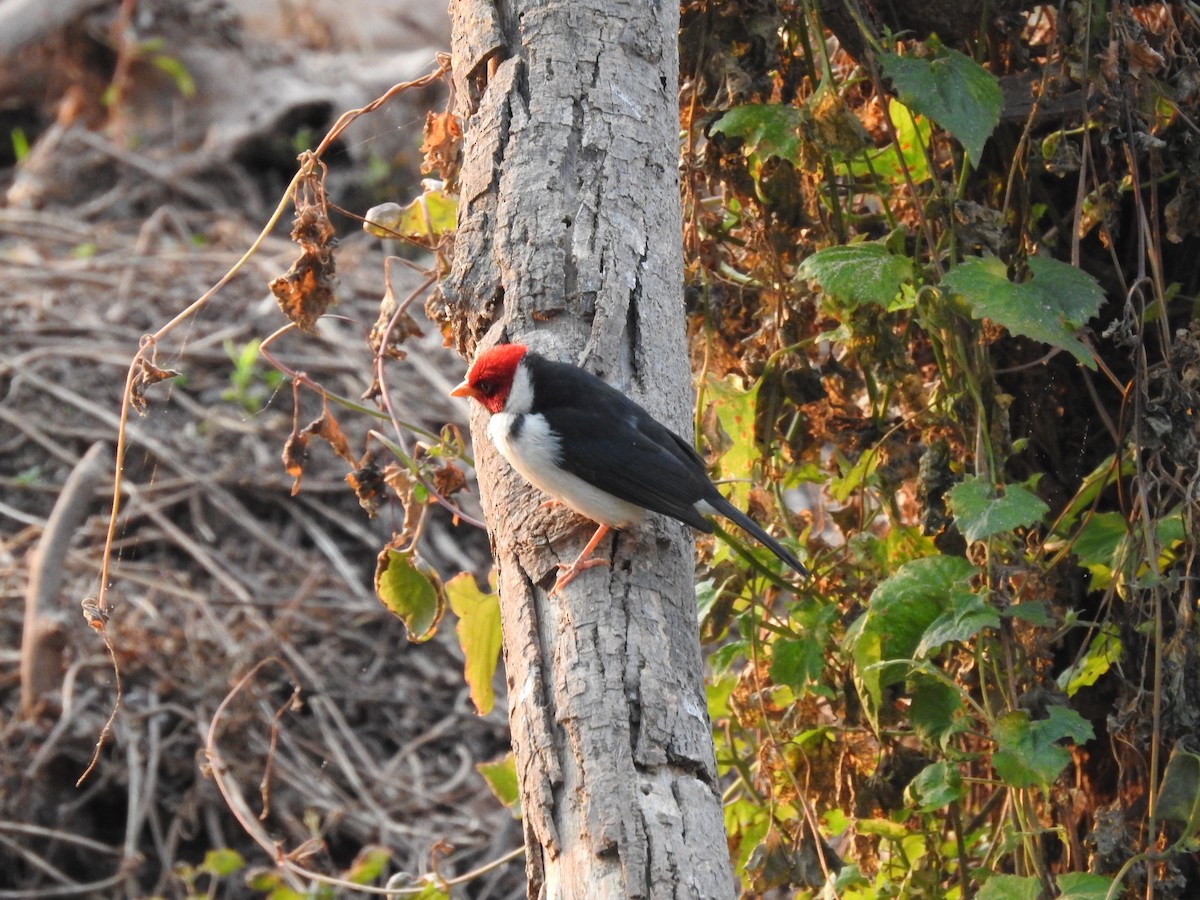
569,241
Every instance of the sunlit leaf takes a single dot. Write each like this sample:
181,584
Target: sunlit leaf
938,784
898,614
1049,307
1011,887
1104,650
222,862
859,274
425,219
953,90
767,129
411,590
1083,886
1028,751
501,776
731,409
368,865
980,513
478,632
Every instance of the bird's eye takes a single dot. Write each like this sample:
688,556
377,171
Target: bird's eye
486,387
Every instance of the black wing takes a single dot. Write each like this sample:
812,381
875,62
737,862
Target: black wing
617,446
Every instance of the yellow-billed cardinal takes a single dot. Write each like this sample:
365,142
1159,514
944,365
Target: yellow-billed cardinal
584,443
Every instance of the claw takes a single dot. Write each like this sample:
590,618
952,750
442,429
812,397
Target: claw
568,571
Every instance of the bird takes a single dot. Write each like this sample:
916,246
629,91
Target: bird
586,445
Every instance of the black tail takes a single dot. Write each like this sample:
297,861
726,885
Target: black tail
723,507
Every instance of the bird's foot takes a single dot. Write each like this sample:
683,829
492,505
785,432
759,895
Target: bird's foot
568,571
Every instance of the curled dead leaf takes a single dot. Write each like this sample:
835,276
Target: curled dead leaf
442,147
147,374
368,486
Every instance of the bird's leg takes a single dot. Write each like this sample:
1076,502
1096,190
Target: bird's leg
568,571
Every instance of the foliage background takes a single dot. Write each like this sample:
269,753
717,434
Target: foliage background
941,295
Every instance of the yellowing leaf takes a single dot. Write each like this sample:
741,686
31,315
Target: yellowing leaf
411,590
478,631
501,776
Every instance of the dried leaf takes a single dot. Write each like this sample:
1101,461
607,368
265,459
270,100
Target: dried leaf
368,486
295,449
147,374
295,454
449,479
306,291
442,148
327,427
391,330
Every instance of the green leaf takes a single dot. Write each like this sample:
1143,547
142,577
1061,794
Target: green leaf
428,217
953,90
501,776
979,513
1104,650
768,129
859,274
1049,307
724,656
938,784
1096,545
1179,796
889,164
478,631
411,591
1011,887
368,865
933,710
728,428
1028,752
966,615
900,611
1083,886
797,662
221,862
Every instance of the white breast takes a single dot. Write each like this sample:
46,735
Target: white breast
534,451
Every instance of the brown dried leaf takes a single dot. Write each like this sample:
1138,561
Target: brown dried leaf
391,330
295,454
449,479
147,374
442,148
400,480
306,291
368,486
327,427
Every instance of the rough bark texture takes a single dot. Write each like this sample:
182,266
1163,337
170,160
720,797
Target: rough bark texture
569,240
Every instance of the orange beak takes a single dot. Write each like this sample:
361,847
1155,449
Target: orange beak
465,390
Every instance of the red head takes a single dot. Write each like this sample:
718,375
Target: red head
490,377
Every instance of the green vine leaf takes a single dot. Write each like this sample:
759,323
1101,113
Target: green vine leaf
767,129
858,274
1050,307
1011,887
900,611
501,776
1083,886
980,513
1028,751
411,590
953,90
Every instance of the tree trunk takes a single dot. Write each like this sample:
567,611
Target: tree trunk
569,241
